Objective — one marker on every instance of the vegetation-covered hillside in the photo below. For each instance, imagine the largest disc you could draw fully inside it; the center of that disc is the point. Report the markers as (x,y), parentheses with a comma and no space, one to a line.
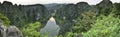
(75,20)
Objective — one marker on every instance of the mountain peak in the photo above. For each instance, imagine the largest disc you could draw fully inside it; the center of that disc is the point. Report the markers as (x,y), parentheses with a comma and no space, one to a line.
(7,3)
(105,3)
(82,3)
(106,0)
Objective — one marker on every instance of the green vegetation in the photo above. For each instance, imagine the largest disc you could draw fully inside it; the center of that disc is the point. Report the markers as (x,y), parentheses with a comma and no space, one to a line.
(101,25)
(31,30)
(84,24)
(101,20)
(104,26)
(5,20)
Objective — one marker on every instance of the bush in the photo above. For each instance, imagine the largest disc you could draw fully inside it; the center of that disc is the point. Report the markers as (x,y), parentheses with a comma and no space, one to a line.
(84,24)
(32,30)
(104,26)
(5,20)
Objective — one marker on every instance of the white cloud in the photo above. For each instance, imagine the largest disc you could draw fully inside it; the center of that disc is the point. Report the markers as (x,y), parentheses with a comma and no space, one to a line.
(24,2)
(115,1)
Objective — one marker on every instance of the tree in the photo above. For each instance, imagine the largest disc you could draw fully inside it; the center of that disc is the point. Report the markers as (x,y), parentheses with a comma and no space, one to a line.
(5,20)
(31,30)
(104,26)
(84,24)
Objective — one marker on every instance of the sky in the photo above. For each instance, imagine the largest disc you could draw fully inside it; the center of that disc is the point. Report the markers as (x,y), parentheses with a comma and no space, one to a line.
(27,2)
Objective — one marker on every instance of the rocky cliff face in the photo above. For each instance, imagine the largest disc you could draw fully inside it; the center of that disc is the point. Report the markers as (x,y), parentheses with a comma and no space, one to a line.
(70,12)
(67,15)
(22,14)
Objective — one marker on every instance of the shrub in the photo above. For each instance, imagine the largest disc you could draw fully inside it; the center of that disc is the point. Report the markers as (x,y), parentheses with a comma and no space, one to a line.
(5,20)
(84,24)
(32,30)
(104,26)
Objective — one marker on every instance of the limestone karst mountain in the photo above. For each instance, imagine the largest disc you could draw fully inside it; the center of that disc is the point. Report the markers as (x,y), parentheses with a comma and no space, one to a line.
(105,6)
(65,14)
(21,14)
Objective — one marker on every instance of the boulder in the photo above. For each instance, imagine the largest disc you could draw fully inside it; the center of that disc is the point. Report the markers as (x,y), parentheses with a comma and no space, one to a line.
(13,31)
(2,29)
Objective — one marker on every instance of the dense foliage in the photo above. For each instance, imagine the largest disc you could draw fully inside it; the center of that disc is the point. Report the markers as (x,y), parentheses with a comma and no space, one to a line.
(75,20)
(104,26)
(4,19)
(31,30)
(84,24)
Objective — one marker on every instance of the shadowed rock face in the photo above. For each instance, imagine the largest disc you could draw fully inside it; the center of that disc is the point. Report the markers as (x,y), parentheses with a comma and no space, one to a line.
(1,34)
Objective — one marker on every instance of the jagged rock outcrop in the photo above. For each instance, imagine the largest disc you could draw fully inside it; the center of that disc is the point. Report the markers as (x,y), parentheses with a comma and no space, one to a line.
(11,31)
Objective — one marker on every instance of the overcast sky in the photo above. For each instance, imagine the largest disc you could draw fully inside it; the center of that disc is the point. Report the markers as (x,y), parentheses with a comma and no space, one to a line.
(26,2)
